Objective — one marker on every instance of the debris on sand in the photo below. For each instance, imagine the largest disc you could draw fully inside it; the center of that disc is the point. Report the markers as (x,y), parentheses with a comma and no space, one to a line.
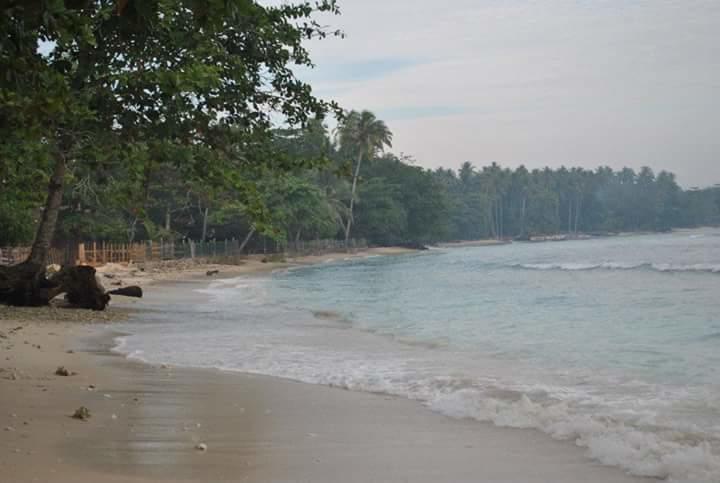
(82,413)
(210,273)
(201,447)
(61,371)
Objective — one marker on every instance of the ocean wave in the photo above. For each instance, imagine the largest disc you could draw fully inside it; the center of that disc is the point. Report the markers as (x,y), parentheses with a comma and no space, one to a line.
(658,267)
(635,437)
(667,453)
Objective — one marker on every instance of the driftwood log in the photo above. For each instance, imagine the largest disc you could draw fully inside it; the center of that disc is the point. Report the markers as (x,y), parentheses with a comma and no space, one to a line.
(129,291)
(27,284)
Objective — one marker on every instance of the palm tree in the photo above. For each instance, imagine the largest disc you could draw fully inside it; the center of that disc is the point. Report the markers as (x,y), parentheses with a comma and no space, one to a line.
(363,132)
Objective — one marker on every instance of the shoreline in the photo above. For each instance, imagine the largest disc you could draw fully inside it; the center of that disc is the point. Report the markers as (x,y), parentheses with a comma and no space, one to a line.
(116,275)
(147,419)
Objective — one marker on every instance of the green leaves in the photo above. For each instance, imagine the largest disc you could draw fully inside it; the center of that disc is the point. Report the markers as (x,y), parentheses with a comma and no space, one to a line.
(362,132)
(123,87)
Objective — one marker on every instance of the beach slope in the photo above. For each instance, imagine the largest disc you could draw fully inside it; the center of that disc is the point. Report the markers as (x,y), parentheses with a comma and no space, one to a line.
(146,422)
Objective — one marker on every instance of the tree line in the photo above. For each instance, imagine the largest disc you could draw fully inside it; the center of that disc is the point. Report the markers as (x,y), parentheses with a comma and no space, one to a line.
(150,120)
(342,183)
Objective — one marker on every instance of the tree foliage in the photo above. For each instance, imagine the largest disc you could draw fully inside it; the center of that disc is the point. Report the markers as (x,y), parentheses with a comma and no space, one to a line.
(138,89)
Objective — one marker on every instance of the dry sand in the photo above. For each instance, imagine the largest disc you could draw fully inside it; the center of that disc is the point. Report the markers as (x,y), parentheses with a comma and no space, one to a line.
(147,420)
(114,275)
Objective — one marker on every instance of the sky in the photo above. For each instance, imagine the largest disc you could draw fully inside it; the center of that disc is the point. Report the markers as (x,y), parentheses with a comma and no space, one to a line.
(539,83)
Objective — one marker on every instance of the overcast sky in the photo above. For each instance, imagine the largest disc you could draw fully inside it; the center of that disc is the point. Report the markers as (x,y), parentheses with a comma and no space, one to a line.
(582,83)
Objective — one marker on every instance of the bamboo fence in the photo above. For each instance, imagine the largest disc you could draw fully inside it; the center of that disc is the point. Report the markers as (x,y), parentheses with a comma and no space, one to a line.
(101,253)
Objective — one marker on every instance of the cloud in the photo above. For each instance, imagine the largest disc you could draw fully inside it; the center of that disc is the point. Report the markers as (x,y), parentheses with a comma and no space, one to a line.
(358,71)
(541,83)
(417,112)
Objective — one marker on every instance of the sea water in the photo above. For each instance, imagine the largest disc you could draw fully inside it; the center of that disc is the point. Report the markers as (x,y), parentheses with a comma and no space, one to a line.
(612,343)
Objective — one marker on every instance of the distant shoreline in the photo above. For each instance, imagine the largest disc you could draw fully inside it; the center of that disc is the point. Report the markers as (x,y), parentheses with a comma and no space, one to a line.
(473,243)
(555,237)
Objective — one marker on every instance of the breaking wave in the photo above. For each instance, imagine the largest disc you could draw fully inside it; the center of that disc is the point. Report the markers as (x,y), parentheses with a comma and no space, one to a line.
(658,267)
(630,439)
(630,433)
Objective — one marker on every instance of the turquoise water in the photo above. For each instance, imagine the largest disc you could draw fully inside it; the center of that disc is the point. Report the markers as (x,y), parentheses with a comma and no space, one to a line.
(612,343)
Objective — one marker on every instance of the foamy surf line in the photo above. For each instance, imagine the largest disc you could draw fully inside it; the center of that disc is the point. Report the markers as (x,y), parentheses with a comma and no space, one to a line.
(688,455)
(658,267)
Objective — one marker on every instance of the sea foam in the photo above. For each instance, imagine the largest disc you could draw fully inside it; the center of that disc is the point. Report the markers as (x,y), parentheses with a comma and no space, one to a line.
(658,267)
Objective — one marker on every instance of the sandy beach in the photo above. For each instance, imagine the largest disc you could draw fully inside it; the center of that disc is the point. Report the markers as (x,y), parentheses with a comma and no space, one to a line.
(146,421)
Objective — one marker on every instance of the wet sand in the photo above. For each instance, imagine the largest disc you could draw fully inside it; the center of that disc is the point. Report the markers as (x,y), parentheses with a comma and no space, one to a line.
(146,421)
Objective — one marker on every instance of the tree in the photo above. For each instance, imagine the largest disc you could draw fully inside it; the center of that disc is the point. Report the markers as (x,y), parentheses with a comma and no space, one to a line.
(125,83)
(366,135)
(401,204)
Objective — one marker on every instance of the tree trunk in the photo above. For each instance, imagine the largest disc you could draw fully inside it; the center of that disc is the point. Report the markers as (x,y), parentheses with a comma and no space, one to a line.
(247,239)
(493,226)
(167,219)
(558,219)
(352,199)
(501,221)
(578,204)
(569,223)
(132,230)
(46,228)
(205,224)
(522,217)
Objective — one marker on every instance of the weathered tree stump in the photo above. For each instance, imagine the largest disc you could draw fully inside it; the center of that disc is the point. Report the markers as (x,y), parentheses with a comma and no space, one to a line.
(81,287)
(26,284)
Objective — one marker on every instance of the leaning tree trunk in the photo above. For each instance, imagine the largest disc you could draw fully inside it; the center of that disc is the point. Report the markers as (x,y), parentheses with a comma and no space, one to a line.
(25,284)
(348,225)
(247,239)
(48,221)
